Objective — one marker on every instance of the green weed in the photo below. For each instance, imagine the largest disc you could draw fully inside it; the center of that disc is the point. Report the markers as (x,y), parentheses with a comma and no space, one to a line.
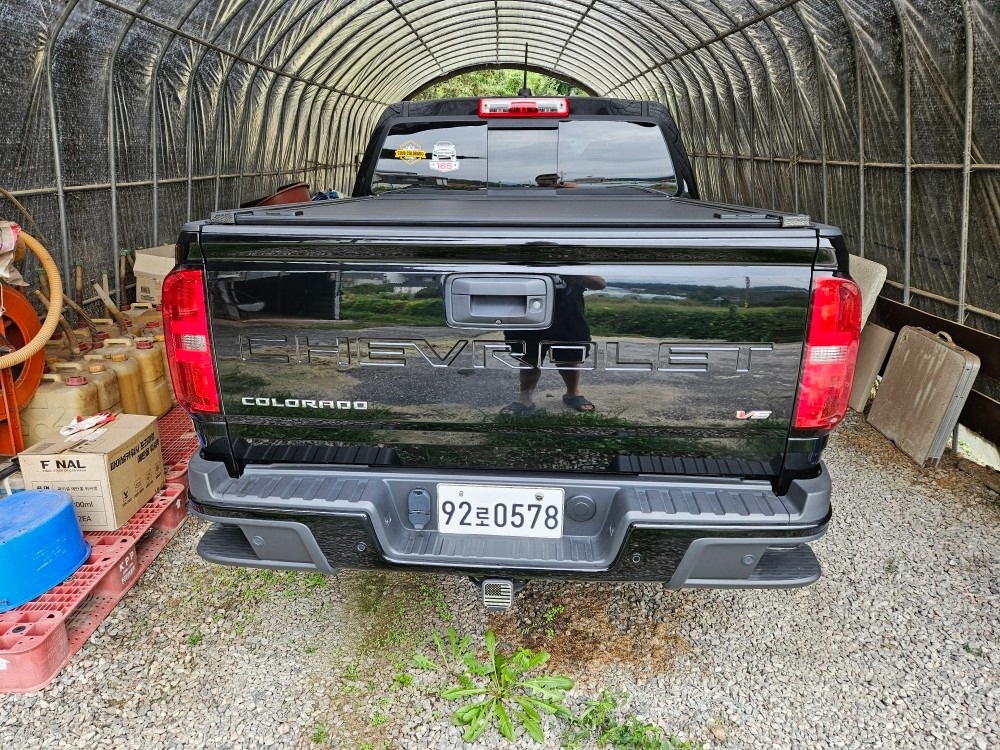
(195,638)
(433,598)
(553,612)
(974,650)
(313,580)
(389,615)
(600,721)
(498,691)
(320,736)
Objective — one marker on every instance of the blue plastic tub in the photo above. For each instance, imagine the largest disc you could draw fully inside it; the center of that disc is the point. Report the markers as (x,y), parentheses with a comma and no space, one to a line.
(41,545)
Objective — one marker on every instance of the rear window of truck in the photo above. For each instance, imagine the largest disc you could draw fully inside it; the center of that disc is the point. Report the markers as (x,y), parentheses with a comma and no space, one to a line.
(567,154)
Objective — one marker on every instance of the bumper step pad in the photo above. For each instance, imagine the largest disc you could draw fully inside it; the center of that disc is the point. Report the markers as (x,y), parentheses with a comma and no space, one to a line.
(782,565)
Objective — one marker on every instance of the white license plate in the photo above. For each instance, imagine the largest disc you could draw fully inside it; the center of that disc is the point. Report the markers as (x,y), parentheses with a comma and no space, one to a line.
(500,511)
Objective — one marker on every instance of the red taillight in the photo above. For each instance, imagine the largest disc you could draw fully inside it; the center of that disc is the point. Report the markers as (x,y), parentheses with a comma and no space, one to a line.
(830,353)
(536,106)
(189,346)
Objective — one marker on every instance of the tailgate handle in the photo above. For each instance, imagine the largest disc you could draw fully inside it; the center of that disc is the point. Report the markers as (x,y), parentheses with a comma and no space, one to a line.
(506,301)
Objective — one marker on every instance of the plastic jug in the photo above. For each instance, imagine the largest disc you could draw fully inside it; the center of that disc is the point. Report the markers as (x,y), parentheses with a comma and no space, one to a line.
(55,404)
(154,380)
(60,349)
(83,334)
(129,382)
(161,347)
(106,326)
(101,377)
(57,346)
(144,313)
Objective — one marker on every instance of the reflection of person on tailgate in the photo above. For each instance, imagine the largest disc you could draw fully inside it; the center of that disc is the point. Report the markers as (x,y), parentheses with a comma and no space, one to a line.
(569,326)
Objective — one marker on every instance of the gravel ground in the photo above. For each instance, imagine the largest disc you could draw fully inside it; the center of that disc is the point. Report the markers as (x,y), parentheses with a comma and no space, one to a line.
(895,647)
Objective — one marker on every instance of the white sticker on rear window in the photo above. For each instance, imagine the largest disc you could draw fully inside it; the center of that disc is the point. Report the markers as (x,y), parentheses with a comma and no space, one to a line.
(444,157)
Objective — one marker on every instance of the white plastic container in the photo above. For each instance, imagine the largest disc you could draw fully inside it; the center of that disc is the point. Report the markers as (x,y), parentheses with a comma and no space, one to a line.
(56,403)
(106,326)
(84,335)
(100,376)
(57,347)
(144,313)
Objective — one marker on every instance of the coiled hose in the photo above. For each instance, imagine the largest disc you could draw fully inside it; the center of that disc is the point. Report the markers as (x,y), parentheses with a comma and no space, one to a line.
(36,344)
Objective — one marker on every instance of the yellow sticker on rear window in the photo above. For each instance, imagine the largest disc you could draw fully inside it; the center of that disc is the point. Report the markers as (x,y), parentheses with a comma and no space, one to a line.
(410,151)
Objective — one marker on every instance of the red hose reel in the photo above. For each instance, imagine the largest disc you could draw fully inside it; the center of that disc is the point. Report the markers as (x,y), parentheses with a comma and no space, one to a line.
(18,325)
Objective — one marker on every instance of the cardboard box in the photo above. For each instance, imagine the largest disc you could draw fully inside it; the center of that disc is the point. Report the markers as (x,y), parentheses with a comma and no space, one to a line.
(151,266)
(110,474)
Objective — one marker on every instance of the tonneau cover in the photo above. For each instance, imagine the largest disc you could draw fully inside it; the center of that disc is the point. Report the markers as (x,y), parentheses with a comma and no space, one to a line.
(523,207)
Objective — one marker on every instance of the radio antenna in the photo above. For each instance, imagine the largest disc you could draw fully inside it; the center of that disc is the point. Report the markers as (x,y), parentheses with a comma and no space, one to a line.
(525,91)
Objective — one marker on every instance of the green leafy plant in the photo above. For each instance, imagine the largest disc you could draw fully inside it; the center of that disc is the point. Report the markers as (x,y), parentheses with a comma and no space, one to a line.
(352,672)
(320,736)
(553,612)
(195,638)
(313,580)
(600,721)
(498,690)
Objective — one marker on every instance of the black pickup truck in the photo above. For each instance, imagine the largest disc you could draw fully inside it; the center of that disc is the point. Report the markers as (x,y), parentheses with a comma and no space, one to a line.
(524,349)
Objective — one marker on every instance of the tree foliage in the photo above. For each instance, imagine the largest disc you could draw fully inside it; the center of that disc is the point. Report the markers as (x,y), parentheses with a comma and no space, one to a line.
(497,82)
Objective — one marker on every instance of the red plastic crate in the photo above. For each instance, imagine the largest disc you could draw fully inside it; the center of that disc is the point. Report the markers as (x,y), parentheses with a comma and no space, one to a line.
(38,638)
(178,441)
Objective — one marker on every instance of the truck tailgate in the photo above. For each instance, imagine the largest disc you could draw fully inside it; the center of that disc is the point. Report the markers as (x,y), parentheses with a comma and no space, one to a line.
(397,352)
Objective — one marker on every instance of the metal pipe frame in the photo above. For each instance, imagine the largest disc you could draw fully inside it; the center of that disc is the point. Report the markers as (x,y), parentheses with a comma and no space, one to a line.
(54,130)
(904,38)
(963,258)
(692,75)
(144,183)
(316,80)
(946,300)
(738,59)
(705,69)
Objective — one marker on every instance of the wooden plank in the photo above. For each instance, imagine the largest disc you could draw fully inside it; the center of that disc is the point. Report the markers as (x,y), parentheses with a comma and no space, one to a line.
(982,414)
(894,315)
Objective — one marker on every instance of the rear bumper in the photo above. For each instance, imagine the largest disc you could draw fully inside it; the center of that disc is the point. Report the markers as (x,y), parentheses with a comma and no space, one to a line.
(682,532)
